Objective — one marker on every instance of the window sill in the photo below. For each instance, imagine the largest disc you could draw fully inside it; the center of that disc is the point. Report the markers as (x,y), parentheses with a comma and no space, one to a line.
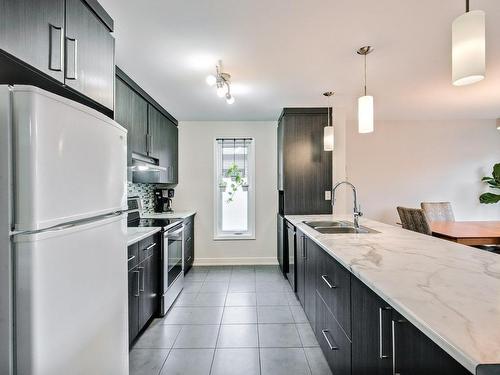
(233,237)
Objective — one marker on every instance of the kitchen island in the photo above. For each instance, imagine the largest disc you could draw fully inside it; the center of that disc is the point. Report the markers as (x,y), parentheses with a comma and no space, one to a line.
(449,292)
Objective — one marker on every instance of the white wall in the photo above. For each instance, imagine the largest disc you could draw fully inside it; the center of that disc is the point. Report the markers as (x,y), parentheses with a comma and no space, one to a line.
(195,190)
(406,162)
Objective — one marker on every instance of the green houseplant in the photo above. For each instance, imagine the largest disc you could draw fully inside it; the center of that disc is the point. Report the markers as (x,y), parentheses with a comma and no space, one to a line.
(237,180)
(494,183)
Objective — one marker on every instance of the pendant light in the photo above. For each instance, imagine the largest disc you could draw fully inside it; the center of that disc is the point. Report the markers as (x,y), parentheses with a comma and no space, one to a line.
(365,102)
(328,138)
(468,47)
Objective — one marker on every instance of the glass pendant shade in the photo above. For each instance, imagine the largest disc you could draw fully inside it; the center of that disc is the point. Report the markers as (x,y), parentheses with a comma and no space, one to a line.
(498,123)
(468,48)
(365,114)
(328,139)
(221,91)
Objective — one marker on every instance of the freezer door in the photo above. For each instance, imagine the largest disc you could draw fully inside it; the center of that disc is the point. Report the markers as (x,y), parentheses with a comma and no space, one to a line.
(70,162)
(71,300)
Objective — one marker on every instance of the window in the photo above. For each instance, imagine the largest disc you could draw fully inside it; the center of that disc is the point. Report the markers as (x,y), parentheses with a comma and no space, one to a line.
(234,188)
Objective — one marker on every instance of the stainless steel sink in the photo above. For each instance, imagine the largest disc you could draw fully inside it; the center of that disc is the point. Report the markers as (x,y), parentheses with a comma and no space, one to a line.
(337,227)
(328,224)
(343,230)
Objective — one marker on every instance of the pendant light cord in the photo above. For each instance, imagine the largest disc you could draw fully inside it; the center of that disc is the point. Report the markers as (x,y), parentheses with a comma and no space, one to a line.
(365,74)
(467,7)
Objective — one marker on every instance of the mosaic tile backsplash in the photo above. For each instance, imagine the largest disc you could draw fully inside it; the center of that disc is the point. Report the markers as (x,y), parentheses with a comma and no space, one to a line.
(145,192)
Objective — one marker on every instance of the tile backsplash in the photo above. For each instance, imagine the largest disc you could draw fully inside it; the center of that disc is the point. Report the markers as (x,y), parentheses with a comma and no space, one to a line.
(145,192)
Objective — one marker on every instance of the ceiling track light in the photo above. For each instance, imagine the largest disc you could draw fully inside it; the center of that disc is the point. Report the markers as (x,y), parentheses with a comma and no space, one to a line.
(328,136)
(468,47)
(365,102)
(222,82)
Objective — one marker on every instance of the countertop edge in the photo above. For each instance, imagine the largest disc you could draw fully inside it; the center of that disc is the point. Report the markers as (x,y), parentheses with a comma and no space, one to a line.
(134,238)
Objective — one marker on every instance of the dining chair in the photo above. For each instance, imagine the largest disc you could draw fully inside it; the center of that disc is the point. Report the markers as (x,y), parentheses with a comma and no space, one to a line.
(414,219)
(438,211)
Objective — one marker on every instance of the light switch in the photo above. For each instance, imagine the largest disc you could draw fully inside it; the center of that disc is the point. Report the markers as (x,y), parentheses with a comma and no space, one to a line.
(328,195)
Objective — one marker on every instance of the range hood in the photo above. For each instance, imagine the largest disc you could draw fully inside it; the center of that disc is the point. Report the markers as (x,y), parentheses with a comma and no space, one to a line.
(143,163)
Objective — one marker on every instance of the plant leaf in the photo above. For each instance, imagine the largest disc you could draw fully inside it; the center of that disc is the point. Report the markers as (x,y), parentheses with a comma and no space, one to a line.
(496,172)
(489,198)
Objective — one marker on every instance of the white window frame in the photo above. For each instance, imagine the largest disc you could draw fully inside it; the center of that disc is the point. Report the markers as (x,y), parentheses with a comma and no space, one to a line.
(219,234)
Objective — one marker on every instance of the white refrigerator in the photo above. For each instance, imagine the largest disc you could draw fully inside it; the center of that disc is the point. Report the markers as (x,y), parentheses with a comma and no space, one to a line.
(63,251)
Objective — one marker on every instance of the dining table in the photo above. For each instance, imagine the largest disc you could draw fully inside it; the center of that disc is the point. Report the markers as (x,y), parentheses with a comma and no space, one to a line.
(472,233)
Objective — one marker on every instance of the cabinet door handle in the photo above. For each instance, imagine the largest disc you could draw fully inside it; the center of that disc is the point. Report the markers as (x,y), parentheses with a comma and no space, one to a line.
(327,281)
(132,257)
(189,258)
(381,332)
(394,371)
(332,347)
(150,246)
(142,278)
(56,54)
(137,294)
(304,248)
(71,52)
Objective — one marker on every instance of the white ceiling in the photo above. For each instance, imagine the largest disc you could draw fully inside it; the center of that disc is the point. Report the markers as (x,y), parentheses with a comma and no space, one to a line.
(285,53)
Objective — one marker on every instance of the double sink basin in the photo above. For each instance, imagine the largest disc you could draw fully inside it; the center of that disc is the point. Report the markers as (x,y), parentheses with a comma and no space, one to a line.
(338,227)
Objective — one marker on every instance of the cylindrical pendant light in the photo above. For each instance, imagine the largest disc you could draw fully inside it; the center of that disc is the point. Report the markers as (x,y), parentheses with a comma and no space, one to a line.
(365,102)
(328,137)
(468,47)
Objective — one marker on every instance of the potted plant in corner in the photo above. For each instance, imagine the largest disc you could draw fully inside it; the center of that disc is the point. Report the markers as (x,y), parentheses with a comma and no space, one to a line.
(494,183)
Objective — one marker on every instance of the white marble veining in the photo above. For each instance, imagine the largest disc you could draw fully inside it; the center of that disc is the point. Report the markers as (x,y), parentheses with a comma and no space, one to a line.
(450,292)
(136,234)
(168,215)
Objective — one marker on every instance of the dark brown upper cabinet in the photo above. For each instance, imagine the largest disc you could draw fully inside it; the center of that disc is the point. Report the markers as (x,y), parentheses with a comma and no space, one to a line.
(63,46)
(90,54)
(304,168)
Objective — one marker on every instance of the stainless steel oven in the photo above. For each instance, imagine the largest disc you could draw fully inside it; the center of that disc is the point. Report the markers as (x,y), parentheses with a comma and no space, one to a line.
(172,266)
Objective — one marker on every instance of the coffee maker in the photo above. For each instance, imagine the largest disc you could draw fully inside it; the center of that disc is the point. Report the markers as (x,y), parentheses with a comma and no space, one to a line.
(163,200)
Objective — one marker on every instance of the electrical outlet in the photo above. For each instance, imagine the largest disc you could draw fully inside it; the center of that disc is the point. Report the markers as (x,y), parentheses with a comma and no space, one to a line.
(328,195)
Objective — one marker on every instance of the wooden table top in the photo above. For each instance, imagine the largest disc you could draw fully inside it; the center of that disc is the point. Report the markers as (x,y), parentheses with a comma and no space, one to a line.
(468,232)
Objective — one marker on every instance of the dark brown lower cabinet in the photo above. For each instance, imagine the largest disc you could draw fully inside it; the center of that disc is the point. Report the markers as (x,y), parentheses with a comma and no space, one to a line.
(300,266)
(143,284)
(371,332)
(416,354)
(332,339)
(188,243)
(311,251)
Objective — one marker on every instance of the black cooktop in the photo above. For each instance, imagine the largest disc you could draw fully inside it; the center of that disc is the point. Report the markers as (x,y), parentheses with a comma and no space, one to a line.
(163,223)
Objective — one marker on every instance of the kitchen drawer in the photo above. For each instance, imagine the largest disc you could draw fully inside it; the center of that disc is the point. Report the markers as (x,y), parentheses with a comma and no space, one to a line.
(148,246)
(334,285)
(133,256)
(332,339)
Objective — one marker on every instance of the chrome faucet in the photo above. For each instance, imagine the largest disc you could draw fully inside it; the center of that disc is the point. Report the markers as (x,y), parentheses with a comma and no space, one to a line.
(357,208)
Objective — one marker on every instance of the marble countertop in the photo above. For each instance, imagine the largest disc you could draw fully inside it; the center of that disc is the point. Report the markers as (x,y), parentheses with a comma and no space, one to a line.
(136,234)
(449,291)
(168,215)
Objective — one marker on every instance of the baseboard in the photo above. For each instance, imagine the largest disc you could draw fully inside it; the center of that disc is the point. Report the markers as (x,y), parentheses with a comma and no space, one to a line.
(235,261)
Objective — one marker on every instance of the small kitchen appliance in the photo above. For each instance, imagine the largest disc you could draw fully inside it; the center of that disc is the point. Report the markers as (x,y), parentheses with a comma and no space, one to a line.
(163,200)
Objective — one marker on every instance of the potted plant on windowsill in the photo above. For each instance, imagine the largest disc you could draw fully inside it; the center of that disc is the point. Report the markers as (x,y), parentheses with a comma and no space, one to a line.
(494,183)
(237,180)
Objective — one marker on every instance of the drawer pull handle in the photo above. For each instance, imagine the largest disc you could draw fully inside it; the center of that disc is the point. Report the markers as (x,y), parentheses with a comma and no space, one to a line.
(381,332)
(141,269)
(132,257)
(327,281)
(138,293)
(332,347)
(150,246)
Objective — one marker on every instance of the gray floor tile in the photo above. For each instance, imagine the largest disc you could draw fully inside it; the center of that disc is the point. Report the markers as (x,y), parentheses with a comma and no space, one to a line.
(292,299)
(197,337)
(241,287)
(194,315)
(202,299)
(218,276)
(299,316)
(271,286)
(317,361)
(272,299)
(238,336)
(236,362)
(307,335)
(192,286)
(283,361)
(243,279)
(146,361)
(158,336)
(194,275)
(188,361)
(274,314)
(279,336)
(241,299)
(186,299)
(248,268)
(239,315)
(214,287)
